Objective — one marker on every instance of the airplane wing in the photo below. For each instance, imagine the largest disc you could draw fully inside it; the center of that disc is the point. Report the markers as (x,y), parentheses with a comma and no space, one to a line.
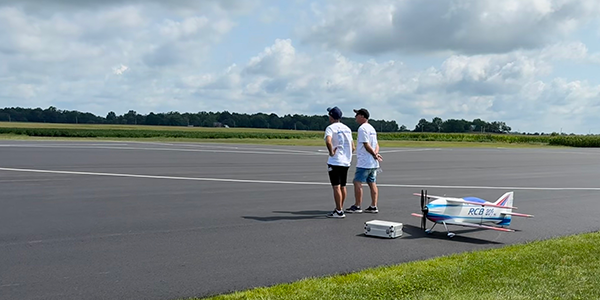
(471,225)
(517,214)
(428,196)
(477,203)
(456,200)
(480,226)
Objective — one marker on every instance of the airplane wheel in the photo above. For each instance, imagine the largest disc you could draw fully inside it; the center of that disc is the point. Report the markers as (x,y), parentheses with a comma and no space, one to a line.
(451,235)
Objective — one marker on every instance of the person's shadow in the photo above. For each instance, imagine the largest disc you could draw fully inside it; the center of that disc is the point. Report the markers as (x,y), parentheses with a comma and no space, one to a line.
(291,215)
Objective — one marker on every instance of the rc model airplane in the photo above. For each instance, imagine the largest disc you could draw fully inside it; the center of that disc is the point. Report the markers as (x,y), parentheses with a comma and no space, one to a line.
(468,211)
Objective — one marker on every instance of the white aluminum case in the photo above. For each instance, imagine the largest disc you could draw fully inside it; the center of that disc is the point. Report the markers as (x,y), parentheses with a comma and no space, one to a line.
(384,229)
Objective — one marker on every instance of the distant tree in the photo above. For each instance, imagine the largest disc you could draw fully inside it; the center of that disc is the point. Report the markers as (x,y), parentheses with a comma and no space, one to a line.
(259,121)
(153,119)
(425,126)
(130,117)
(479,125)
(437,124)
(275,122)
(111,117)
(453,125)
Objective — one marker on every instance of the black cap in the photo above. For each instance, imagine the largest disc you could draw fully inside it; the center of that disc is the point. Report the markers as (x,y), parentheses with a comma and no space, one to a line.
(335,112)
(363,112)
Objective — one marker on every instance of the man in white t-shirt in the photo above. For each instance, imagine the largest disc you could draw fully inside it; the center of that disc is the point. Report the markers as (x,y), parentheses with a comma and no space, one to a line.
(367,163)
(338,139)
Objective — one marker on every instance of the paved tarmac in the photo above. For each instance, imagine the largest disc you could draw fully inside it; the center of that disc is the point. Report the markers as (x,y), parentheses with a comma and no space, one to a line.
(126,220)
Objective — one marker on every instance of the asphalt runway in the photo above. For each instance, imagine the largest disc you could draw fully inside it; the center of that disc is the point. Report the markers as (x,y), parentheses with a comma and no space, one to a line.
(126,220)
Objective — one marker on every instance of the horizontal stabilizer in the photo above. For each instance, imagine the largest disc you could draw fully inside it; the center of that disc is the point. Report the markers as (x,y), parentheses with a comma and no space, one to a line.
(517,214)
(428,196)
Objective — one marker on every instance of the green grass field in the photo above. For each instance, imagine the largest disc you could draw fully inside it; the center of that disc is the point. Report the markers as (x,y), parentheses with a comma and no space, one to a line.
(131,127)
(285,142)
(561,268)
(41,131)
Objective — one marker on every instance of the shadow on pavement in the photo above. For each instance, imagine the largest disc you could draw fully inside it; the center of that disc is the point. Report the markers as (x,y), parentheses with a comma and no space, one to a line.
(295,215)
(413,232)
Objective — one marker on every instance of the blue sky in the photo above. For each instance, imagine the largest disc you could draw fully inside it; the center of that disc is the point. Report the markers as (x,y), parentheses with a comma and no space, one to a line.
(533,64)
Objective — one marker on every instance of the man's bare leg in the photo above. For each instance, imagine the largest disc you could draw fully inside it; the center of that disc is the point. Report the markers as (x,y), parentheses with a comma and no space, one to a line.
(358,191)
(343,194)
(374,193)
(337,197)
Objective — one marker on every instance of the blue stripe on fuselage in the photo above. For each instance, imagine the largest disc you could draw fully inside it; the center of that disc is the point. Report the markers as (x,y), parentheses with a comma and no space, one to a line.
(474,199)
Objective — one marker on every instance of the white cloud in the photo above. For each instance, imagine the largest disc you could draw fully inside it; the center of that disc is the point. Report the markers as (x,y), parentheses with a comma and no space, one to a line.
(120,70)
(462,26)
(492,87)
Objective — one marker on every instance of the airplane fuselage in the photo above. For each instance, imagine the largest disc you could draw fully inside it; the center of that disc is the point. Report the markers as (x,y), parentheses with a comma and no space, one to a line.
(441,210)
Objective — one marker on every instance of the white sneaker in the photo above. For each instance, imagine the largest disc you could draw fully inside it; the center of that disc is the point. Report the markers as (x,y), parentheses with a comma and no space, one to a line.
(336,215)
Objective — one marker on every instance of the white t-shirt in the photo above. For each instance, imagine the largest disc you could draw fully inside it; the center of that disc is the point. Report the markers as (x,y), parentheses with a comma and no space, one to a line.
(341,138)
(364,159)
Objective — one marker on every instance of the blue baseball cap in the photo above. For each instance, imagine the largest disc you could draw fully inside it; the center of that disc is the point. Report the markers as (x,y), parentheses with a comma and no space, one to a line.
(335,112)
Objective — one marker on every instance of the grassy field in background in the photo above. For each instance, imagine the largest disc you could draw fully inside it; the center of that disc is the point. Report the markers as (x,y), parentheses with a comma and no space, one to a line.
(134,127)
(286,142)
(561,268)
(15,130)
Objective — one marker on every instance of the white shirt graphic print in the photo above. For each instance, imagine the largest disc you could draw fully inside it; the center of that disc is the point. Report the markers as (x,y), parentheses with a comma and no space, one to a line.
(341,140)
(364,159)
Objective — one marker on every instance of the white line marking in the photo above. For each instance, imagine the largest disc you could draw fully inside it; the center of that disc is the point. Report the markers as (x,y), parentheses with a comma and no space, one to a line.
(301,182)
(246,148)
(161,177)
(410,150)
(166,149)
(59,145)
(213,150)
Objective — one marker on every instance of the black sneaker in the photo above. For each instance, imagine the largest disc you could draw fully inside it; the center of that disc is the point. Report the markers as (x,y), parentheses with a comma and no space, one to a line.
(354,209)
(372,209)
(337,215)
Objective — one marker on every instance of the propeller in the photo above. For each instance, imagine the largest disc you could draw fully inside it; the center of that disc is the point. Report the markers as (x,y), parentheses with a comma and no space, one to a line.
(424,210)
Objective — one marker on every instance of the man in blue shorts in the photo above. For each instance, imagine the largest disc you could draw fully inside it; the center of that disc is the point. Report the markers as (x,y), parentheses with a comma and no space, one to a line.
(338,139)
(367,163)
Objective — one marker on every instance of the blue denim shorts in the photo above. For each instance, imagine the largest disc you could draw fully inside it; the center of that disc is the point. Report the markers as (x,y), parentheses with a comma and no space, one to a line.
(365,175)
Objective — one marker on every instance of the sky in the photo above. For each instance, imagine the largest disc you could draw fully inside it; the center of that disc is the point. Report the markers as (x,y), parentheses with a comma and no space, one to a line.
(533,64)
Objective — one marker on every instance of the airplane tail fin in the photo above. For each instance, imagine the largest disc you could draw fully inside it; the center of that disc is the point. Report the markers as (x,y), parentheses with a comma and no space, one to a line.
(506,200)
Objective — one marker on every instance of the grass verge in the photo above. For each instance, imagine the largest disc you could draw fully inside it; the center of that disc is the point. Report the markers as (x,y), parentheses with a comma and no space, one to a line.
(561,268)
(285,142)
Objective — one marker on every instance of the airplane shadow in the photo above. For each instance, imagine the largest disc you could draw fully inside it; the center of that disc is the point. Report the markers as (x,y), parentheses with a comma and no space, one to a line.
(296,215)
(415,232)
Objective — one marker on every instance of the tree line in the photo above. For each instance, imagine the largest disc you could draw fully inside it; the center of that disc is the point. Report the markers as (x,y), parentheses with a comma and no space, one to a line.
(228,119)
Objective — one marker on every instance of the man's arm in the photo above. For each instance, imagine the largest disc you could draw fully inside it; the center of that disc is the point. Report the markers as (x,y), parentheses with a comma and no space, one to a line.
(370,149)
(329,146)
(373,152)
